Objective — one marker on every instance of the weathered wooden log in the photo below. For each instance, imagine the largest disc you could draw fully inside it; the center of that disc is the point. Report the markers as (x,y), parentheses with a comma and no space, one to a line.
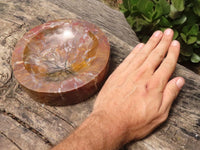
(26,124)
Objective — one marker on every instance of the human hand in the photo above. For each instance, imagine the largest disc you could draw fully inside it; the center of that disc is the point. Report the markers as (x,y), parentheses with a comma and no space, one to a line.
(137,96)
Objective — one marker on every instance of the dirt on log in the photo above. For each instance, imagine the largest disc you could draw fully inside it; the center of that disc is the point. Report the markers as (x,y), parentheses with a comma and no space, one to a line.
(26,124)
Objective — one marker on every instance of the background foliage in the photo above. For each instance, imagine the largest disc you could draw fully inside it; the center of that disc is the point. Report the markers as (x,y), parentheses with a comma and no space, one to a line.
(183,16)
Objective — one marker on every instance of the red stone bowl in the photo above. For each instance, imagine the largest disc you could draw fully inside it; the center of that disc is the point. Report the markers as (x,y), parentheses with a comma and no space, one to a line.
(61,62)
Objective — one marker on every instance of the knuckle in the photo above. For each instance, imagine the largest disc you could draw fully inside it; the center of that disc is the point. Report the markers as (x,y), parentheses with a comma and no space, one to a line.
(160,55)
(168,64)
(138,75)
(148,66)
(169,61)
(153,40)
(155,84)
(170,92)
(164,117)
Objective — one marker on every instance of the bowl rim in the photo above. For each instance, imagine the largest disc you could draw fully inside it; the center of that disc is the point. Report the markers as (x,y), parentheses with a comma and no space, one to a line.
(29,81)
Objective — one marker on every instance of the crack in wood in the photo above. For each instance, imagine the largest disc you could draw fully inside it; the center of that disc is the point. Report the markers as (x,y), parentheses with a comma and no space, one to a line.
(191,134)
(34,112)
(41,20)
(11,141)
(198,122)
(18,28)
(8,20)
(22,18)
(25,125)
(68,122)
(9,92)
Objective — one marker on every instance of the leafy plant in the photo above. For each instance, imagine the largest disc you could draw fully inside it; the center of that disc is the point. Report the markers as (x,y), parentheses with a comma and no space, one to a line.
(183,16)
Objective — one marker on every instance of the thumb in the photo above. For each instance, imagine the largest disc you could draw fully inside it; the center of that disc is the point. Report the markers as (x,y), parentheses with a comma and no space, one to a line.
(171,91)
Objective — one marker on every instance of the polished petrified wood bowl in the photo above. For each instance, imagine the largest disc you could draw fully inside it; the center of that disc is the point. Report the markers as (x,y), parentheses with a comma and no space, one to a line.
(61,62)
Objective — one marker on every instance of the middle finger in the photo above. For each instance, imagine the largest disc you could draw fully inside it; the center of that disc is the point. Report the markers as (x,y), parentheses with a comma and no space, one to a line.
(158,54)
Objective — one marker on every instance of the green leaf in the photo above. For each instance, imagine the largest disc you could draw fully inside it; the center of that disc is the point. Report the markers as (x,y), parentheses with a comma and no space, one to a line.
(196,46)
(187,51)
(130,20)
(183,16)
(186,28)
(162,7)
(194,30)
(176,34)
(125,4)
(191,40)
(139,24)
(123,9)
(165,6)
(162,29)
(178,4)
(164,22)
(129,3)
(198,42)
(146,8)
(192,18)
(184,37)
(145,39)
(189,34)
(195,58)
(180,21)
(133,2)
(198,39)
(173,12)
(191,30)
(196,7)
(188,39)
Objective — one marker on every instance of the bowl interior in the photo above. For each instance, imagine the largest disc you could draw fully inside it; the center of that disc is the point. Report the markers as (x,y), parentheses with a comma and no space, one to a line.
(60,52)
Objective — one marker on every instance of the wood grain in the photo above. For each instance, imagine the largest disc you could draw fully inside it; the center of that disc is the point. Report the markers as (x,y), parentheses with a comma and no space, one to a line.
(25,122)
(19,135)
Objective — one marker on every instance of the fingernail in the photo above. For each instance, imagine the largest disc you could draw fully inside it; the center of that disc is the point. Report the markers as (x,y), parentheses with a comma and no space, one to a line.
(157,33)
(180,83)
(168,31)
(175,43)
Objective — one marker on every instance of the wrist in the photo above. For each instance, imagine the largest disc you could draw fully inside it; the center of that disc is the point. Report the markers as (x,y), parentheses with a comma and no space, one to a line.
(114,133)
(99,131)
